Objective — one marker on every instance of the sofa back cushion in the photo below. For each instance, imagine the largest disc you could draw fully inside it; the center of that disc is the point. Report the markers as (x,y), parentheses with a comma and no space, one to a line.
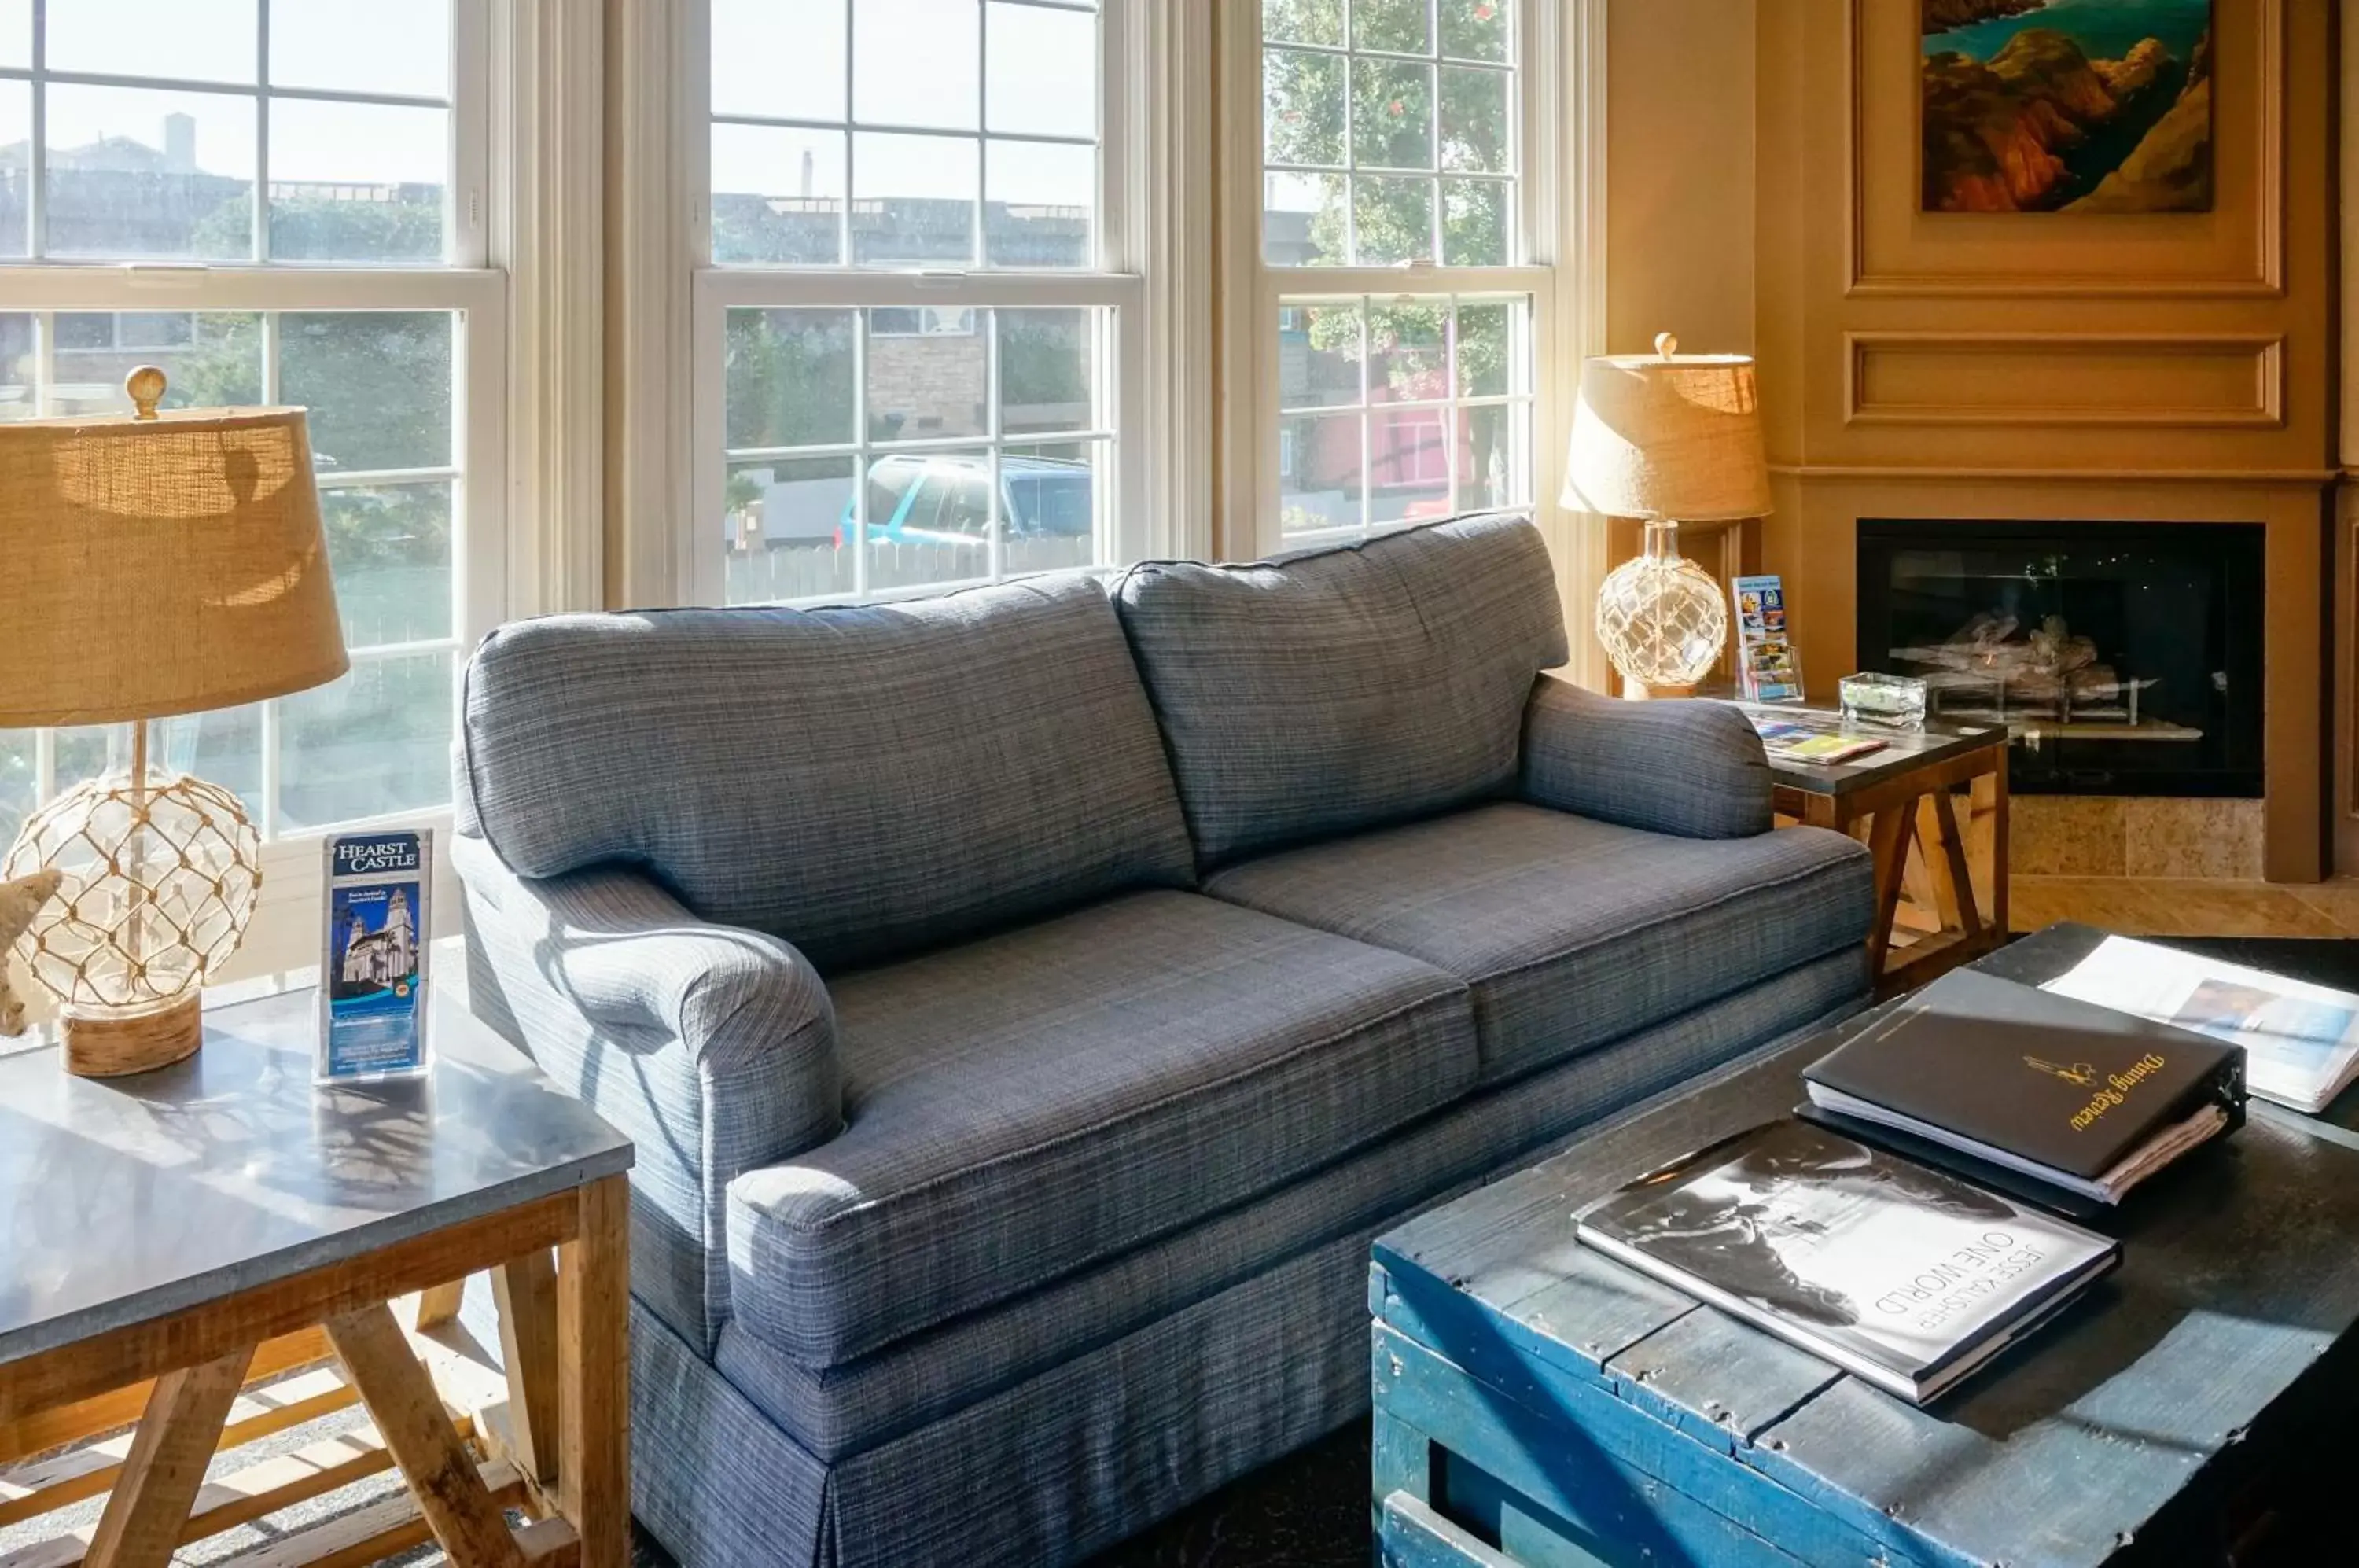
(863,782)
(1340,689)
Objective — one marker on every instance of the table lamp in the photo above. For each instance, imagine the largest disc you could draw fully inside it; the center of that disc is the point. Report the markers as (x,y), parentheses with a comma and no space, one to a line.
(155,564)
(1666,437)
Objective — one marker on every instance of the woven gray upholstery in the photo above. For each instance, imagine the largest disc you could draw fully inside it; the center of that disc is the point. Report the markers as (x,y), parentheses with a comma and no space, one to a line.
(863,782)
(1692,769)
(1348,688)
(712,1049)
(1574,932)
(1038,1433)
(1034,1101)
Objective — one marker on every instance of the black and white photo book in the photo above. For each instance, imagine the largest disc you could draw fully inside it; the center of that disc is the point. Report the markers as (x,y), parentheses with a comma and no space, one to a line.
(1902,1275)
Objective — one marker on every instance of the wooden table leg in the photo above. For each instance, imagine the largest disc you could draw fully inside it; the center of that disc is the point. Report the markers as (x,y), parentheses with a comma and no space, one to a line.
(525,1291)
(593,1473)
(1887,843)
(1998,848)
(1945,863)
(149,1505)
(410,1418)
(438,1304)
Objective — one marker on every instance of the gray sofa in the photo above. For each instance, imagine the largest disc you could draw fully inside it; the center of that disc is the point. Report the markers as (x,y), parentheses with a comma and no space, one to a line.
(1028,1003)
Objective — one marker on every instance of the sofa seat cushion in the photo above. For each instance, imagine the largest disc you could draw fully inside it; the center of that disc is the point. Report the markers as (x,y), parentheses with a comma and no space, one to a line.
(1030,1104)
(1572,932)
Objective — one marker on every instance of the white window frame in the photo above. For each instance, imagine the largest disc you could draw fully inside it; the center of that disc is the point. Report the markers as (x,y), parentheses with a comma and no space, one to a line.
(283,932)
(1560,230)
(1128,213)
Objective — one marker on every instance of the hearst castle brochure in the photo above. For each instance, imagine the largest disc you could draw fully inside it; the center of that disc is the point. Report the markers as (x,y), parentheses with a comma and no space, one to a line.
(1902,1275)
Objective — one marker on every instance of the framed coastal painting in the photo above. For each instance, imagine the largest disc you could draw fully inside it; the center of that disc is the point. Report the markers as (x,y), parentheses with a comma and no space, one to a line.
(2067,106)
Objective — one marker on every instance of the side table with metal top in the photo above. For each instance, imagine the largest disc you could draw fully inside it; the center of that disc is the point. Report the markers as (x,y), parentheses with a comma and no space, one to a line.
(168,1239)
(1902,795)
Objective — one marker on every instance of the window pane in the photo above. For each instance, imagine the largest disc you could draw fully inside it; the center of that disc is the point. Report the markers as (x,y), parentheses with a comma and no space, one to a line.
(192,40)
(1494,457)
(1319,472)
(1476,29)
(1474,119)
(18,397)
(19,782)
(1408,356)
(1393,219)
(374,742)
(1409,466)
(914,198)
(1474,223)
(918,62)
(930,518)
(788,379)
(211,359)
(931,382)
(1303,21)
(1049,498)
(1040,199)
(15,177)
(778,196)
(1302,107)
(377,383)
(1041,70)
(16,33)
(362,46)
(1395,25)
(1045,381)
(1302,221)
(390,548)
(356,182)
(781,59)
(1392,115)
(1487,336)
(788,528)
(142,173)
(1318,356)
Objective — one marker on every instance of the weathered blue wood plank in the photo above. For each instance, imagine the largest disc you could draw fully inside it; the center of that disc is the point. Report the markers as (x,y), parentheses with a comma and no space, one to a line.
(1413,1536)
(1592,1307)
(1717,1379)
(1624,1482)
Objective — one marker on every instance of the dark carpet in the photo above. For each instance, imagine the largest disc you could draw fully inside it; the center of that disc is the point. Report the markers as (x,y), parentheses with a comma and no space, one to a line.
(1311,1509)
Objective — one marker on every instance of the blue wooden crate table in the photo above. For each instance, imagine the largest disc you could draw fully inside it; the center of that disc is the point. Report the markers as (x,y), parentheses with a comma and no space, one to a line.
(1537,1404)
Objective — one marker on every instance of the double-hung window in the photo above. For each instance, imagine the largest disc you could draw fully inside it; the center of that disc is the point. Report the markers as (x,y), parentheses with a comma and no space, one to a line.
(1402,293)
(916,334)
(276,201)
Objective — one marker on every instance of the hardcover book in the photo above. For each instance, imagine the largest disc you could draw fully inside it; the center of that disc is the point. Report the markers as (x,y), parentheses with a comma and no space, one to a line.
(1904,1276)
(373,968)
(2082,1096)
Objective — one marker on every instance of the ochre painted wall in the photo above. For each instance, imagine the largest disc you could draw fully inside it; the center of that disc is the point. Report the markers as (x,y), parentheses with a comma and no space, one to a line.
(2163,367)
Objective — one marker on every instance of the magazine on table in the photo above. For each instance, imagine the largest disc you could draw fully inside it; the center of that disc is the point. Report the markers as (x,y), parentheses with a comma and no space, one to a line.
(1903,1276)
(2301,1041)
(1823,742)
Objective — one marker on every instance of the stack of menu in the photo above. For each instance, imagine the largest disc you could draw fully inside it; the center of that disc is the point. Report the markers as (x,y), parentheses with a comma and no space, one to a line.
(2023,1082)
(1903,1276)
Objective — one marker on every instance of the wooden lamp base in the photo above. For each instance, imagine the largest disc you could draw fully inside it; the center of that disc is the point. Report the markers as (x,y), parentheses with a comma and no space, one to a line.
(114,1044)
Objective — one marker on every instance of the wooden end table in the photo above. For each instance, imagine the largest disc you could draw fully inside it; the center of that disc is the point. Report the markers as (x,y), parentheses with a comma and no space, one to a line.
(172,1237)
(1901,796)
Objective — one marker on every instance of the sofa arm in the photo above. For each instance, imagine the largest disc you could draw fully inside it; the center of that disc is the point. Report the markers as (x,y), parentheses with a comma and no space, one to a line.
(711,1048)
(1695,770)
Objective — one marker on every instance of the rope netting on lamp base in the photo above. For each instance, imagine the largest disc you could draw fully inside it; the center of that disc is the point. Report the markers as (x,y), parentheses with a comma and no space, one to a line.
(160,874)
(1660,618)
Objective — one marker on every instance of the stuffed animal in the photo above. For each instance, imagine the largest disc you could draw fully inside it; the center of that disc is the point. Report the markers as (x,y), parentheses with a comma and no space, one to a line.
(19,901)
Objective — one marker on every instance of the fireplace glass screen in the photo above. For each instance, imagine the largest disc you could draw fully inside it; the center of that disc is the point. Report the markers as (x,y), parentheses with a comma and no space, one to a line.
(2124,658)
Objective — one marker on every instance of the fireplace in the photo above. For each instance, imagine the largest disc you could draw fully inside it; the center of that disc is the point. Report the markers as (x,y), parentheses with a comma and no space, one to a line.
(2126,657)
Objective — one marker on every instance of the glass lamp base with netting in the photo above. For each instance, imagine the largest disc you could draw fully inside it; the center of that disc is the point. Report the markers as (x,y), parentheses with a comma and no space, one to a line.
(160,874)
(1660,618)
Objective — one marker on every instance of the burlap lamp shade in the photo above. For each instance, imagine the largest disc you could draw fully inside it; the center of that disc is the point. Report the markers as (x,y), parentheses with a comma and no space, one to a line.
(155,564)
(1666,437)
